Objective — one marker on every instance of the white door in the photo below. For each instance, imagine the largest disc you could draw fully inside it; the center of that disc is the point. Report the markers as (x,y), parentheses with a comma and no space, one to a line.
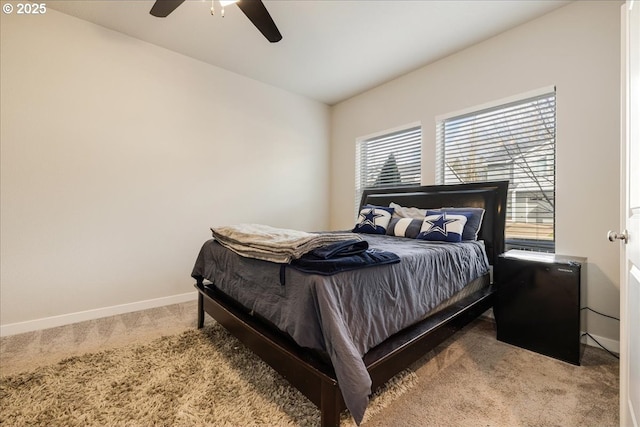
(630,265)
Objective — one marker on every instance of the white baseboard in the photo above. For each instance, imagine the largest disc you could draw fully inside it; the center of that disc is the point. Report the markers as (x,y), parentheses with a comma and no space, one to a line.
(611,345)
(81,316)
(67,319)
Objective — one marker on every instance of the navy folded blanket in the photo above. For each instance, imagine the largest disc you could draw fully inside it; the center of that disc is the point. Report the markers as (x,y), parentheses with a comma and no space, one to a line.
(341,256)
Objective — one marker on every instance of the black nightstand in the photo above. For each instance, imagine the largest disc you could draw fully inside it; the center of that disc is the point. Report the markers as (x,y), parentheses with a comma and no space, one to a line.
(538,303)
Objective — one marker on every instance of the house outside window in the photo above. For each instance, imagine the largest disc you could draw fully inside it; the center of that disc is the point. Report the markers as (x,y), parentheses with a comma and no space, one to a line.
(514,141)
(389,159)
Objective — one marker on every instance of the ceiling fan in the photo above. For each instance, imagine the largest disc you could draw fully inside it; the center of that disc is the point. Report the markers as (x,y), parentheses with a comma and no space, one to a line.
(253,9)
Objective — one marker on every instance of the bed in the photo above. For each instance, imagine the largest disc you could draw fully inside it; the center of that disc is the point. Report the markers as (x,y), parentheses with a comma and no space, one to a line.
(332,362)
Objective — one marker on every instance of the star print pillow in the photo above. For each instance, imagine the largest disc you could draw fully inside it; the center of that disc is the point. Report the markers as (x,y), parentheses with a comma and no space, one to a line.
(442,226)
(373,219)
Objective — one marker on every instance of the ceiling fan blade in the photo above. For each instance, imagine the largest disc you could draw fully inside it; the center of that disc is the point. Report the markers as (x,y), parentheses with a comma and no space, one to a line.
(259,16)
(162,8)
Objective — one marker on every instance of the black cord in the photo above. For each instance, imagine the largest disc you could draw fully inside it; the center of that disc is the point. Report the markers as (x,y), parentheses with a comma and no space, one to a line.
(603,347)
(595,340)
(601,314)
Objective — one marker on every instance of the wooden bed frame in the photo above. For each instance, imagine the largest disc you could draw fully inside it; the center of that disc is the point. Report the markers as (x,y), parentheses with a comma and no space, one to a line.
(313,374)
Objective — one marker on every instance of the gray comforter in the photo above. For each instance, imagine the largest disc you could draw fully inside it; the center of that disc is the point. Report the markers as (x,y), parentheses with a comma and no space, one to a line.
(348,313)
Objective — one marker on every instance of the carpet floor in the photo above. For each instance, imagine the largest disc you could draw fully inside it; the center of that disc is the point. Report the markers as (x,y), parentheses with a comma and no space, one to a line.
(123,371)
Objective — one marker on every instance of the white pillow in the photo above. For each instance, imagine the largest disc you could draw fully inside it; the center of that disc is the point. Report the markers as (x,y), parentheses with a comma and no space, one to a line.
(405,212)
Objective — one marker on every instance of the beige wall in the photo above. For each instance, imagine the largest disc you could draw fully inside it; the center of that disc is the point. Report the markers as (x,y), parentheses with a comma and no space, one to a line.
(117,156)
(577,49)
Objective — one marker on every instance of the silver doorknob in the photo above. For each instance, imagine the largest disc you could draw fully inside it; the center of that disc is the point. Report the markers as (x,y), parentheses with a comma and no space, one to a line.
(613,236)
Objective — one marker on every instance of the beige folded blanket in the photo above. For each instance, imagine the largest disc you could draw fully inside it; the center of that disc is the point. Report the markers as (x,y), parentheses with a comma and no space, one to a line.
(274,244)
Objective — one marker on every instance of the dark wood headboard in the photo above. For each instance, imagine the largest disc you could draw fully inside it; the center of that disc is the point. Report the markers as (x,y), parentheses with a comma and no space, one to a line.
(492,196)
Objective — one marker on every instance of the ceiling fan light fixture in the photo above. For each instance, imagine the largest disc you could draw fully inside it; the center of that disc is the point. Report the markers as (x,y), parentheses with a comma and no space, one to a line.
(254,10)
(223,3)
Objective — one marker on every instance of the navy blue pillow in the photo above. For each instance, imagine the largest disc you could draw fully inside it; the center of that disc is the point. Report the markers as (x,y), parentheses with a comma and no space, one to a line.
(373,219)
(442,226)
(474,221)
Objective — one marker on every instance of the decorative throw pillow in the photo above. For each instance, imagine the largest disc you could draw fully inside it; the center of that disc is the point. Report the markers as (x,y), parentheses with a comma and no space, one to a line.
(474,221)
(471,228)
(442,226)
(404,227)
(405,212)
(373,219)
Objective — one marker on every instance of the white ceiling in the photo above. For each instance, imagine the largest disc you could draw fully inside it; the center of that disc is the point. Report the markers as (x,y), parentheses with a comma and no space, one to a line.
(331,49)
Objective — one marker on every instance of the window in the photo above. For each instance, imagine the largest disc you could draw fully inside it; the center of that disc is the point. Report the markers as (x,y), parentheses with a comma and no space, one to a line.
(514,141)
(390,159)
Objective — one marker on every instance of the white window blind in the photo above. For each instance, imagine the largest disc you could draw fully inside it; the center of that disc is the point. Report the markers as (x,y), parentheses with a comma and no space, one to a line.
(389,160)
(516,142)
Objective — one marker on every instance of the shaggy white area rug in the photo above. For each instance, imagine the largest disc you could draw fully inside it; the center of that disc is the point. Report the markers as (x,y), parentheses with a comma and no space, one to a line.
(200,377)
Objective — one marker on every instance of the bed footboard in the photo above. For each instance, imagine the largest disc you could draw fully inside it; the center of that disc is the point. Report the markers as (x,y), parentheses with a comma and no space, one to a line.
(311,376)
(315,378)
